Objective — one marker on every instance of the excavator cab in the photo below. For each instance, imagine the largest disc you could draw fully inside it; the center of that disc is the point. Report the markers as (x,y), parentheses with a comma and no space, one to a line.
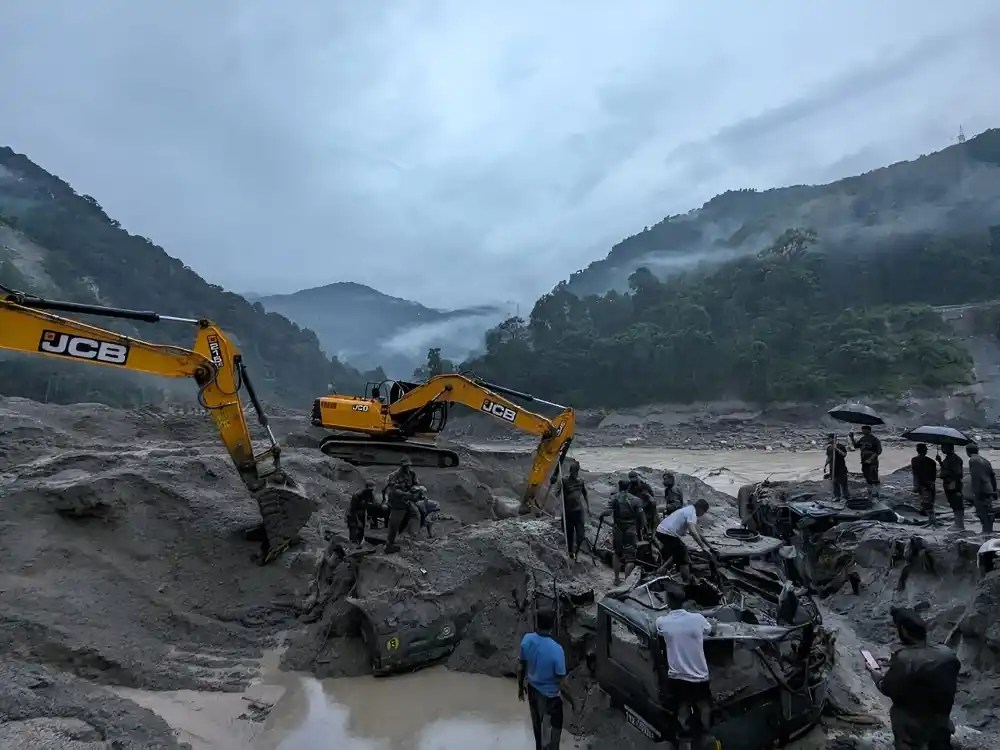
(397,418)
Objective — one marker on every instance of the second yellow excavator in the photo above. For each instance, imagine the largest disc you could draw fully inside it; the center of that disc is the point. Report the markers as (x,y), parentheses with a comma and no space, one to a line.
(29,324)
(388,423)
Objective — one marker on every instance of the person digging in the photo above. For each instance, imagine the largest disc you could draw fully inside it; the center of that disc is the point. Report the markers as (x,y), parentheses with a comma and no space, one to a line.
(670,536)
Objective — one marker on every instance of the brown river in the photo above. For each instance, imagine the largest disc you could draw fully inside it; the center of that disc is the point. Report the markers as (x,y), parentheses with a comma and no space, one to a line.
(435,709)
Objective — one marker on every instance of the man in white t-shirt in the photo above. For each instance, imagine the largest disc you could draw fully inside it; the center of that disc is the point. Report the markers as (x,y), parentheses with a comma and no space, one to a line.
(670,535)
(684,633)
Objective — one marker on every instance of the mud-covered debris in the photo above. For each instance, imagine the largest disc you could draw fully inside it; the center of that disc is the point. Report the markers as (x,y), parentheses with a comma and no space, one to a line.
(257,711)
(467,596)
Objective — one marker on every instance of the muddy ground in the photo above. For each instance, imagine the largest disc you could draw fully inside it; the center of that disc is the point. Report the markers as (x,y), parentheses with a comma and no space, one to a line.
(123,562)
(124,565)
(736,424)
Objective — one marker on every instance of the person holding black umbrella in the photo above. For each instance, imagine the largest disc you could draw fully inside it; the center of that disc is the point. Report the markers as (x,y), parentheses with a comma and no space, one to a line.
(870,448)
(952,472)
(983,483)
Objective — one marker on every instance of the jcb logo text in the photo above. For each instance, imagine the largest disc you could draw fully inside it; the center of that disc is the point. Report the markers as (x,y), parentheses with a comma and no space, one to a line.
(360,407)
(81,347)
(499,410)
(215,352)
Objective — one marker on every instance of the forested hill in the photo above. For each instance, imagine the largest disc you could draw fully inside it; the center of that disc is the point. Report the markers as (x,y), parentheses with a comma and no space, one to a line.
(810,316)
(395,333)
(56,243)
(953,189)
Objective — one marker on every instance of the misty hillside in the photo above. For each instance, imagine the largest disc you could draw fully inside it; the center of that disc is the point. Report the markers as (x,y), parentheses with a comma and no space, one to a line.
(839,304)
(956,189)
(367,328)
(56,243)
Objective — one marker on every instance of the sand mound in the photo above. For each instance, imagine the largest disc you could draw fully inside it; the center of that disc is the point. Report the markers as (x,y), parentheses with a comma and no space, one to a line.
(123,560)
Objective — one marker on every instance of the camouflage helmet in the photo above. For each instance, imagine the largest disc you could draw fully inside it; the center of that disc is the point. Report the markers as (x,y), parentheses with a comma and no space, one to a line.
(633,474)
(622,484)
(405,461)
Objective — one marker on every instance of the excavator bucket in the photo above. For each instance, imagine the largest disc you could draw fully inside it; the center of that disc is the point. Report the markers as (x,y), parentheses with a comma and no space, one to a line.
(285,509)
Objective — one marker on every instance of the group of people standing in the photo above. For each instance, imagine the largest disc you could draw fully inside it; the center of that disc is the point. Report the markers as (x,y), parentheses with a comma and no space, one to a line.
(870,449)
(949,467)
(404,498)
(635,517)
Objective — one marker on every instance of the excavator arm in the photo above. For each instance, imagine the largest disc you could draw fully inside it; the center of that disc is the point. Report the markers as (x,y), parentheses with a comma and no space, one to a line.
(413,412)
(555,434)
(30,325)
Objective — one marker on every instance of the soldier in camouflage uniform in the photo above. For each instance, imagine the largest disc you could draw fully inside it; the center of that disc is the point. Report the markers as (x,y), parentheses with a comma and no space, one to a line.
(400,491)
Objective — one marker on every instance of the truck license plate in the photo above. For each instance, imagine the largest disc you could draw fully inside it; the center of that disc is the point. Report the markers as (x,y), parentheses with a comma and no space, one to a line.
(641,724)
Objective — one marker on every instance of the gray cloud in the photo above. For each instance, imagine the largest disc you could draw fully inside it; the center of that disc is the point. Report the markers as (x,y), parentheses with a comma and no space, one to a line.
(459,152)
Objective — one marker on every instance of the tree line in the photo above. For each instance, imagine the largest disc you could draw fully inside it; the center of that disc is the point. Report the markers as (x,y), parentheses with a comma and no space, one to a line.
(791,322)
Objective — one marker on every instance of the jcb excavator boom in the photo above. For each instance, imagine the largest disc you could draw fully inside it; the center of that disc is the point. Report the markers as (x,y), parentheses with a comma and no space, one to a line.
(384,424)
(29,324)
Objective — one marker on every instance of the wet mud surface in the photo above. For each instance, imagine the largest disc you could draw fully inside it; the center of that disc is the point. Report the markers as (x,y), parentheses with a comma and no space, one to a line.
(124,566)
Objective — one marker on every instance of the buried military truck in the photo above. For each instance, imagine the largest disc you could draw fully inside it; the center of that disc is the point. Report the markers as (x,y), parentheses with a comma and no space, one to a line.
(768,680)
(466,599)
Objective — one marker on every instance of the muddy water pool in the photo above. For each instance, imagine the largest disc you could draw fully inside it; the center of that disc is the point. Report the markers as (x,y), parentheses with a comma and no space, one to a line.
(433,709)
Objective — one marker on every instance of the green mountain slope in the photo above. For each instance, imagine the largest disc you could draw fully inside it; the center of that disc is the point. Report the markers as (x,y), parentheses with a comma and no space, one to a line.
(56,243)
(955,189)
(812,315)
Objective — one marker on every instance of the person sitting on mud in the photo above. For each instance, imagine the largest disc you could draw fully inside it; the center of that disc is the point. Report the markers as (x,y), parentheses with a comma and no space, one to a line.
(921,681)
(925,481)
(670,535)
(836,465)
(641,489)
(870,448)
(688,688)
(673,498)
(357,511)
(399,488)
(627,521)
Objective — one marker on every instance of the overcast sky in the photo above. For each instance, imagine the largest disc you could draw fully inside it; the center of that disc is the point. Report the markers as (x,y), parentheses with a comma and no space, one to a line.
(464,151)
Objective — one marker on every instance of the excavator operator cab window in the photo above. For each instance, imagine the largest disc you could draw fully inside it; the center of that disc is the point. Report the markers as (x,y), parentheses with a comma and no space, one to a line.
(395,392)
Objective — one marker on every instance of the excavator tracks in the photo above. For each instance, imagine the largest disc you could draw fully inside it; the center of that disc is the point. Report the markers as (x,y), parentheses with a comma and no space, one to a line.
(362,451)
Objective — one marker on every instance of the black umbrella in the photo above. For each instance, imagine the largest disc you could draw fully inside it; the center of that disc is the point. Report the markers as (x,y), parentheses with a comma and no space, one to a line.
(855,414)
(938,436)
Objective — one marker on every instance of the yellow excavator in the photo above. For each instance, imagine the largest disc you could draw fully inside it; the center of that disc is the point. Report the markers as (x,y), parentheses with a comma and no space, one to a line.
(390,421)
(30,324)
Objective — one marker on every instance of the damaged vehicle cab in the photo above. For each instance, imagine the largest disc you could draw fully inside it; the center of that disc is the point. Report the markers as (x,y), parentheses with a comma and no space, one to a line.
(768,681)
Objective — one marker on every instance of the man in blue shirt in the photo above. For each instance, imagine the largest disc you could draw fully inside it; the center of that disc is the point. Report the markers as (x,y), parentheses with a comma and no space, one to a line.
(543,663)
